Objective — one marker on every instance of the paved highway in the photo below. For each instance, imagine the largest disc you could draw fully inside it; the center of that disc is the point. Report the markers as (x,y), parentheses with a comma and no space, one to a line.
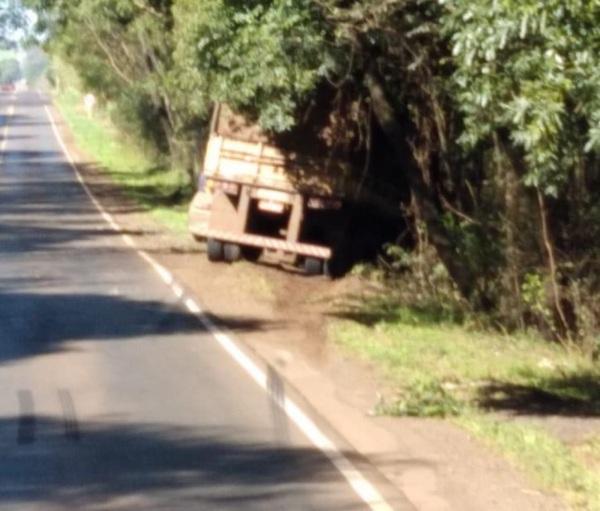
(112,396)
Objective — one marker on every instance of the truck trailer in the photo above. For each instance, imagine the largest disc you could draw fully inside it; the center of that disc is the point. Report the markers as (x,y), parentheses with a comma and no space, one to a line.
(255,196)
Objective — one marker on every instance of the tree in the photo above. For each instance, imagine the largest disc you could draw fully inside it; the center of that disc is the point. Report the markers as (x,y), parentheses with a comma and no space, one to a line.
(530,69)
(527,81)
(12,17)
(261,56)
(123,51)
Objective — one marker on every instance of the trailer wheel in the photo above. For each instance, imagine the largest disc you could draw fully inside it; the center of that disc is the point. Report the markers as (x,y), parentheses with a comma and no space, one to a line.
(214,250)
(313,266)
(251,254)
(232,252)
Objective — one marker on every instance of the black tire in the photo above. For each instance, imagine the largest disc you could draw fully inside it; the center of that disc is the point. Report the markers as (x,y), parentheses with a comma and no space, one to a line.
(214,250)
(232,252)
(251,254)
(313,266)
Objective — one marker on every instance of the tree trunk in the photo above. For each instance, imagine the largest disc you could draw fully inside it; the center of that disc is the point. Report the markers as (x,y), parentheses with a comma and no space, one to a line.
(507,174)
(179,153)
(564,332)
(423,194)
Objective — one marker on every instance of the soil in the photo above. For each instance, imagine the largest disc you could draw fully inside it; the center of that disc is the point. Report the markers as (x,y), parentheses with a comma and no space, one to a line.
(282,315)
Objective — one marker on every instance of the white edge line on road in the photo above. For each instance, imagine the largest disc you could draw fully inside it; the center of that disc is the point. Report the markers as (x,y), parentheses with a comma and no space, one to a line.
(361,486)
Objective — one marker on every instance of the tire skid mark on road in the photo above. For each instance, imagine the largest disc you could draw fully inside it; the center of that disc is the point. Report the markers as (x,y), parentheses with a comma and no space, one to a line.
(276,390)
(71,424)
(26,423)
(364,489)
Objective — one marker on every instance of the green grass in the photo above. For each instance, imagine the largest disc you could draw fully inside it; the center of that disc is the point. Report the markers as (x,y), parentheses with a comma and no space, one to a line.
(467,362)
(543,457)
(588,451)
(158,189)
(433,367)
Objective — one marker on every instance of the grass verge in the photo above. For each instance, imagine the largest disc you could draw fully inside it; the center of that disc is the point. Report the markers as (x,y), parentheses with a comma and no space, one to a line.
(544,458)
(158,189)
(481,380)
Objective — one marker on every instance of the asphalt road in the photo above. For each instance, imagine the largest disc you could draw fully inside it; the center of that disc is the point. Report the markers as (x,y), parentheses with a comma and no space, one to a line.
(112,396)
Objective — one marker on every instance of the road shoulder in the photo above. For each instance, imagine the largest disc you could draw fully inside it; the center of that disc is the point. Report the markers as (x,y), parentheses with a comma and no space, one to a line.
(280,317)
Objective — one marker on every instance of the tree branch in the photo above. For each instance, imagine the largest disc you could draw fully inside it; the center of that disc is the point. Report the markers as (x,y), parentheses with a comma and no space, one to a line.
(120,73)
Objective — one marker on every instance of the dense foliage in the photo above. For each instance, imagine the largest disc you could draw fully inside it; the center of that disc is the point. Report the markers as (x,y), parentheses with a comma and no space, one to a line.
(261,56)
(488,110)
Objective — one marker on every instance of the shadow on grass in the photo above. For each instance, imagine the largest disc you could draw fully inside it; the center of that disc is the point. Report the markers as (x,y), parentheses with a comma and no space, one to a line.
(569,395)
(386,309)
(536,392)
(150,194)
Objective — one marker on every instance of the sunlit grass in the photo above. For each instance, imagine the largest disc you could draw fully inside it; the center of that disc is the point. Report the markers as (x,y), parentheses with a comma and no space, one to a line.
(146,178)
(452,354)
(438,368)
(543,457)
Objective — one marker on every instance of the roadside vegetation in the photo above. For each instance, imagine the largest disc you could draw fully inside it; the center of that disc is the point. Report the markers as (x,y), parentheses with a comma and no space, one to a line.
(553,464)
(144,176)
(478,121)
(443,362)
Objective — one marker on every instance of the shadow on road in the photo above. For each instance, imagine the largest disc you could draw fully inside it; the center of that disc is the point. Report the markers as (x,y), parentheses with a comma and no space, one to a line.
(50,234)
(114,463)
(34,324)
(29,98)
(30,239)
(22,120)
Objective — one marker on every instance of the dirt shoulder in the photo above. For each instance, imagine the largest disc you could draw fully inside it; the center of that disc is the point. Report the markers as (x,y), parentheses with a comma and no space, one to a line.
(282,316)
